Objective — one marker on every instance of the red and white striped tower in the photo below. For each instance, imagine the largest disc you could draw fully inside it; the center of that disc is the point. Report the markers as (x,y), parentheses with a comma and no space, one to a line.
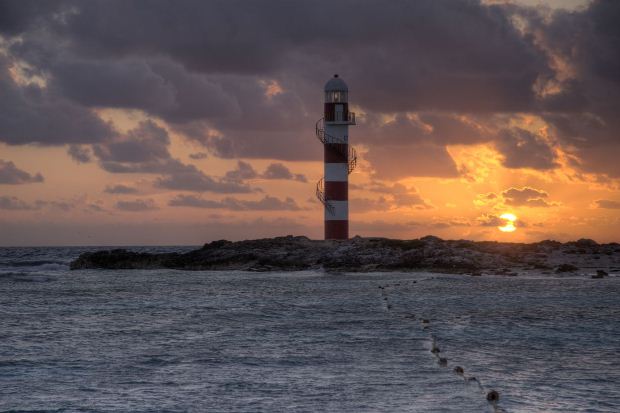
(340,159)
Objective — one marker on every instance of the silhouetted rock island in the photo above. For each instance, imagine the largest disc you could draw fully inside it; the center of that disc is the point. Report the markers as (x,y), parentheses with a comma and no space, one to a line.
(292,253)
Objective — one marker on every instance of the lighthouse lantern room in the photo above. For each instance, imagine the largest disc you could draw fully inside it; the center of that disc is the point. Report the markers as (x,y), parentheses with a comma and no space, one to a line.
(340,159)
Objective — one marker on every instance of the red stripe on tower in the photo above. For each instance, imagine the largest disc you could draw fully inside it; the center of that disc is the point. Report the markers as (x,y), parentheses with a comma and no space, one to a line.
(333,132)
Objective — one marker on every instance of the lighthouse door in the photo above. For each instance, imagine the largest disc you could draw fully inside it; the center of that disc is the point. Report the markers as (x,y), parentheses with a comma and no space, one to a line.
(339,113)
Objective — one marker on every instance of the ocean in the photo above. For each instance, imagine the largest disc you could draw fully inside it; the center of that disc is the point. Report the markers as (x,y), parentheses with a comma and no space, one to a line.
(164,340)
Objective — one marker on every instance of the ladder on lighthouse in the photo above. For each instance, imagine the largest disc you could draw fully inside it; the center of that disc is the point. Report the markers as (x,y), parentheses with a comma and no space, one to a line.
(350,156)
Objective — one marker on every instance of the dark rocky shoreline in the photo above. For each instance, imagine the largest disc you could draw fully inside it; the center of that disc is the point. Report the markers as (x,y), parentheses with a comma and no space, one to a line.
(372,254)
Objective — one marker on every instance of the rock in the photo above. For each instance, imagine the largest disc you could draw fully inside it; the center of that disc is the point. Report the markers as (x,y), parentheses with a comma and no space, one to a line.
(296,253)
(585,242)
(459,370)
(425,321)
(600,274)
(566,268)
(443,362)
(493,396)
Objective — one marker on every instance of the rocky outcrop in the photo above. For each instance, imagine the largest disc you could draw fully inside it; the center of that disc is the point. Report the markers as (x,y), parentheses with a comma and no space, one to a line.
(363,254)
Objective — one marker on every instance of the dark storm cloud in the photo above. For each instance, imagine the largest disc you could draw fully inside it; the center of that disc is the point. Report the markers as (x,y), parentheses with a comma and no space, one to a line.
(267,203)
(12,175)
(245,79)
(489,65)
(33,114)
(160,87)
(586,119)
(523,149)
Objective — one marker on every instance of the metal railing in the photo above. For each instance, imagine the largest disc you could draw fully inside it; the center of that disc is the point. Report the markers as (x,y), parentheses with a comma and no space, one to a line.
(348,155)
(320,194)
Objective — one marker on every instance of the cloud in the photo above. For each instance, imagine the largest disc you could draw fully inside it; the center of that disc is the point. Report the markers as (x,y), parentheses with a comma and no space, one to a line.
(189,178)
(359,205)
(242,172)
(120,189)
(80,153)
(490,220)
(15,204)
(396,195)
(526,196)
(246,80)
(398,162)
(486,199)
(33,114)
(144,149)
(137,205)
(279,171)
(158,86)
(12,203)
(201,73)
(267,203)
(12,175)
(198,155)
(275,170)
(607,204)
(523,149)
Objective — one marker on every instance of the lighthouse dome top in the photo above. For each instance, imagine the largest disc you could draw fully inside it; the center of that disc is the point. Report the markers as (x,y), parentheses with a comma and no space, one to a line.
(336,84)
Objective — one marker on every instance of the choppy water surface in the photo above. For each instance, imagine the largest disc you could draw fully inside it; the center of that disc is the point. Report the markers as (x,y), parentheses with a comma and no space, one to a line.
(233,341)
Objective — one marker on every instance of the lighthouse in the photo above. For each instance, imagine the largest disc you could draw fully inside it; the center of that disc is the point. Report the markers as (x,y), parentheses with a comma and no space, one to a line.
(339,158)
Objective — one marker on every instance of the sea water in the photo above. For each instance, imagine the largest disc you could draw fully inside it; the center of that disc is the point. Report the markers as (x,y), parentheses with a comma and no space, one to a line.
(163,340)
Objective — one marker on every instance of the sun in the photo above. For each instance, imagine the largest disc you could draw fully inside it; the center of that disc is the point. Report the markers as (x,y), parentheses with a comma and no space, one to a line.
(509,222)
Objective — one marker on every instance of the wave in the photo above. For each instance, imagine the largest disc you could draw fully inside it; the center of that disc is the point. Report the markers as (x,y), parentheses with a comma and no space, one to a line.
(23,276)
(32,263)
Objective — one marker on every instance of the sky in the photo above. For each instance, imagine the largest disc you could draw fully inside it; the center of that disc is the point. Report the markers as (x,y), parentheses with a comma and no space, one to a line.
(181,122)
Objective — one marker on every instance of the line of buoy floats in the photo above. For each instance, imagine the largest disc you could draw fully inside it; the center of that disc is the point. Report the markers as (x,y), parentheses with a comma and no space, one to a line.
(492,396)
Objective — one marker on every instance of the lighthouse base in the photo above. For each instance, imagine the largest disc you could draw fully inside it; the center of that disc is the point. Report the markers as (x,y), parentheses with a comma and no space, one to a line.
(337,229)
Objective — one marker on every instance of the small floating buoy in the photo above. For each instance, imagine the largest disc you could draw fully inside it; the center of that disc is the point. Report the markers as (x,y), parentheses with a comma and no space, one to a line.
(459,370)
(492,396)
(443,362)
